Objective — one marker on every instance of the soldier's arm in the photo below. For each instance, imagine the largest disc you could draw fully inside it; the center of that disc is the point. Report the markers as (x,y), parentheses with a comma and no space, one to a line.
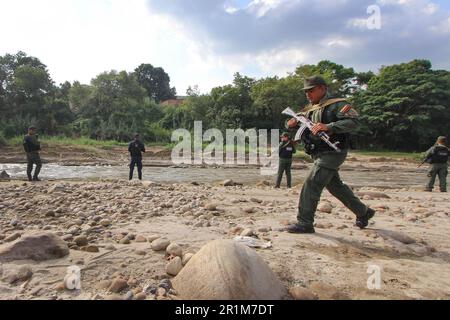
(143,147)
(347,119)
(429,153)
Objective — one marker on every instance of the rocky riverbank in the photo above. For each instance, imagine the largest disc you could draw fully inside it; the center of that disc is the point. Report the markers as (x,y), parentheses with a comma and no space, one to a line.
(130,239)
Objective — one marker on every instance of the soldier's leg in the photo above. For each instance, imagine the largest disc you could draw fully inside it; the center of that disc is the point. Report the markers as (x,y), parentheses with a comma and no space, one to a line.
(288,174)
(344,194)
(280,174)
(432,174)
(29,168)
(132,164)
(443,179)
(139,166)
(314,184)
(38,162)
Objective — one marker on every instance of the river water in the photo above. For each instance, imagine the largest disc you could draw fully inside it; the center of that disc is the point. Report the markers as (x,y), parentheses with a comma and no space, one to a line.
(386,178)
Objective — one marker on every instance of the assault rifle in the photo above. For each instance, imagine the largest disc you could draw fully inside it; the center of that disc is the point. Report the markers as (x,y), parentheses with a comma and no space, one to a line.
(308,124)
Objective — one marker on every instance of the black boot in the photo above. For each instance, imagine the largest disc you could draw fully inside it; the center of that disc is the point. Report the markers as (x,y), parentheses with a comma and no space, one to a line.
(36,179)
(298,228)
(363,222)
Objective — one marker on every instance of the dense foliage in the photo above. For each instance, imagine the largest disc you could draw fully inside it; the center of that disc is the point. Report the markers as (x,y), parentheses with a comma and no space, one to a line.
(403,107)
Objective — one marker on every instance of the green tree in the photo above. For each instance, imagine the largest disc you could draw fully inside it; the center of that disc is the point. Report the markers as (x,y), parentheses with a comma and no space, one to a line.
(406,106)
(155,81)
(341,80)
(272,95)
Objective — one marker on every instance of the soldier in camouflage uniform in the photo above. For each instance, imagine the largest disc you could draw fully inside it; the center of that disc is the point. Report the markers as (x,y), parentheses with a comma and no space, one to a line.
(337,118)
(437,156)
(285,152)
(32,147)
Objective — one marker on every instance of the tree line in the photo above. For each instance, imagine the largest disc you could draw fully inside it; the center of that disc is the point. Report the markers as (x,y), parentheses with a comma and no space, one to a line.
(402,107)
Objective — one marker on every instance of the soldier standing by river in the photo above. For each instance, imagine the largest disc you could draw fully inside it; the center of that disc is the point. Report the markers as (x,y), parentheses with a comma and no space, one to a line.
(286,150)
(437,156)
(136,147)
(32,147)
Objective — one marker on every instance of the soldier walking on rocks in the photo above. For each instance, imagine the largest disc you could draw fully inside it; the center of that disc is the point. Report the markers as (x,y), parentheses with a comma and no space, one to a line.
(337,118)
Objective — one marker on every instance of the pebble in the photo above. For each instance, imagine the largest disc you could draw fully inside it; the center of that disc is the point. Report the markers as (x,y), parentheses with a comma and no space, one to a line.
(211,207)
(141,238)
(118,285)
(160,244)
(325,207)
(174,266)
(105,223)
(81,241)
(140,296)
(125,240)
(92,249)
(300,293)
(174,249)
(186,258)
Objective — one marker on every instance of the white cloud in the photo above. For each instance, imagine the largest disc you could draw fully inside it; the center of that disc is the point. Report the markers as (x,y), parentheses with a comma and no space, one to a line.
(261,7)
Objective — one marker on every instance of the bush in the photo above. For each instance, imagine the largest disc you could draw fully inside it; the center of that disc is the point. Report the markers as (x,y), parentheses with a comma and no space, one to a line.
(156,133)
(3,141)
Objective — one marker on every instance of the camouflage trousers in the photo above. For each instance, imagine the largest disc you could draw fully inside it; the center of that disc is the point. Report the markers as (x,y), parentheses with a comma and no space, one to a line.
(284,165)
(325,174)
(33,158)
(440,170)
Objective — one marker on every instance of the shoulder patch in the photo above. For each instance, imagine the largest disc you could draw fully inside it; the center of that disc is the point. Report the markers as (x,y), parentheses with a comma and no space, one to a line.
(348,112)
(346,108)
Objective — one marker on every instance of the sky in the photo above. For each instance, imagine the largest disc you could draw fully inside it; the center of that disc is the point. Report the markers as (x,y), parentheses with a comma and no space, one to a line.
(204,42)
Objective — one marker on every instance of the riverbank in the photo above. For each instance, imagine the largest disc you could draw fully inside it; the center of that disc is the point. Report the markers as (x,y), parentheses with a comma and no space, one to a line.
(84,151)
(109,226)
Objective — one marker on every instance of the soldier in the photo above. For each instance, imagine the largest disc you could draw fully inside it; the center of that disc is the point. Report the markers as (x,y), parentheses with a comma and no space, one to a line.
(286,150)
(337,118)
(437,156)
(32,147)
(136,147)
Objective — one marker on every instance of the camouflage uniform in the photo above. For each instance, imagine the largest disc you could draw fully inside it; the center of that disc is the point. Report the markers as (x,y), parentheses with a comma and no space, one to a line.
(286,150)
(32,147)
(438,158)
(341,118)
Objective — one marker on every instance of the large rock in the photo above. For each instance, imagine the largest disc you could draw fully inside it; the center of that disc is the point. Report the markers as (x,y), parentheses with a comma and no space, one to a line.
(38,247)
(226,270)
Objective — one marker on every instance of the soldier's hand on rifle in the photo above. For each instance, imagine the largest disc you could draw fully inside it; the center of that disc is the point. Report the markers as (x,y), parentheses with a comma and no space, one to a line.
(292,123)
(319,127)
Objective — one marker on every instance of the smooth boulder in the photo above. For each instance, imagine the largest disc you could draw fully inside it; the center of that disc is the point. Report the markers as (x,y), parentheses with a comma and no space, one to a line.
(37,247)
(226,270)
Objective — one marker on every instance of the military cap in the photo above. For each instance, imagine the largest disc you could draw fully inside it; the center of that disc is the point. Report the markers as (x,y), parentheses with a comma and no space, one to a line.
(313,81)
(32,128)
(285,134)
(442,138)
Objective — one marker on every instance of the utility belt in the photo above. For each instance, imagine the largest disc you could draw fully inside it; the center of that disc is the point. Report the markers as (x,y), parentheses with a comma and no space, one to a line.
(314,147)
